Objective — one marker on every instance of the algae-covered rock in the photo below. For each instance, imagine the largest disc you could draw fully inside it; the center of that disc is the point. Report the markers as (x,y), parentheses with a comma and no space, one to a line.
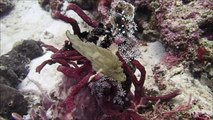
(209,47)
(8,77)
(29,48)
(202,68)
(51,4)
(85,4)
(13,65)
(44,4)
(183,23)
(11,101)
(15,62)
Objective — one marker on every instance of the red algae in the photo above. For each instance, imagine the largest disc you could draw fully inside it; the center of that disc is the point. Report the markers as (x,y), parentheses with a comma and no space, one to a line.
(112,99)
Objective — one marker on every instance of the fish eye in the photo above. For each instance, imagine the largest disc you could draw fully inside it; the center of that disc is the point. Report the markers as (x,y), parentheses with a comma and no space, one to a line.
(10,103)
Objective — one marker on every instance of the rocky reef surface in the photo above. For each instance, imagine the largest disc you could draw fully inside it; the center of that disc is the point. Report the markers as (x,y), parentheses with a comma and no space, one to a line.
(6,6)
(14,68)
(12,101)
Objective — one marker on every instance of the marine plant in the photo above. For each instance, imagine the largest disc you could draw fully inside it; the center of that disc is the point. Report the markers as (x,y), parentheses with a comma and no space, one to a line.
(90,93)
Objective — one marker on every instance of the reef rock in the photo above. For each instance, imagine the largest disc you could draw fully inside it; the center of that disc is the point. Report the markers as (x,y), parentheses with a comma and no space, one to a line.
(11,102)
(5,5)
(29,48)
(13,65)
(85,4)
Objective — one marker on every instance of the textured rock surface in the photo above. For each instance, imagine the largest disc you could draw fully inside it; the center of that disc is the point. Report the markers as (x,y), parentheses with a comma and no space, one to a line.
(8,77)
(5,5)
(185,29)
(14,63)
(29,48)
(11,101)
(85,4)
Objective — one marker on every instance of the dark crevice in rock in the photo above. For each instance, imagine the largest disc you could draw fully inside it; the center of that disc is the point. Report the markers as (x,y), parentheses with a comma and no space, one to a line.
(5,7)
(186,1)
(207,27)
(143,13)
(86,4)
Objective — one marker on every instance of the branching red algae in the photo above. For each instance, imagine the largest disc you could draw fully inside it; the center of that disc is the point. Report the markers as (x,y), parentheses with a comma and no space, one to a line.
(81,13)
(117,106)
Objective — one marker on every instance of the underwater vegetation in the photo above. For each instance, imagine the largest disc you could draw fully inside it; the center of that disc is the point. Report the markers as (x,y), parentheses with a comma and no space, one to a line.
(95,93)
(98,79)
(181,25)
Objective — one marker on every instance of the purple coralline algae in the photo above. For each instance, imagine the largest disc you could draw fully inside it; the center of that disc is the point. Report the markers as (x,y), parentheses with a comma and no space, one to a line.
(179,25)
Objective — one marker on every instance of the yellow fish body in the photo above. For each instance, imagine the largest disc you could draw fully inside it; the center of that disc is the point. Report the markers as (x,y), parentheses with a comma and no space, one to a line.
(102,60)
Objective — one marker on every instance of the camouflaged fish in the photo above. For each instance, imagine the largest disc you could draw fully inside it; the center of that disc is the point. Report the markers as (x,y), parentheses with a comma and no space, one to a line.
(102,60)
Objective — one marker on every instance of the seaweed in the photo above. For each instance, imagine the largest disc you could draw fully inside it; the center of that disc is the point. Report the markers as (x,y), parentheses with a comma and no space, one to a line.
(95,95)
